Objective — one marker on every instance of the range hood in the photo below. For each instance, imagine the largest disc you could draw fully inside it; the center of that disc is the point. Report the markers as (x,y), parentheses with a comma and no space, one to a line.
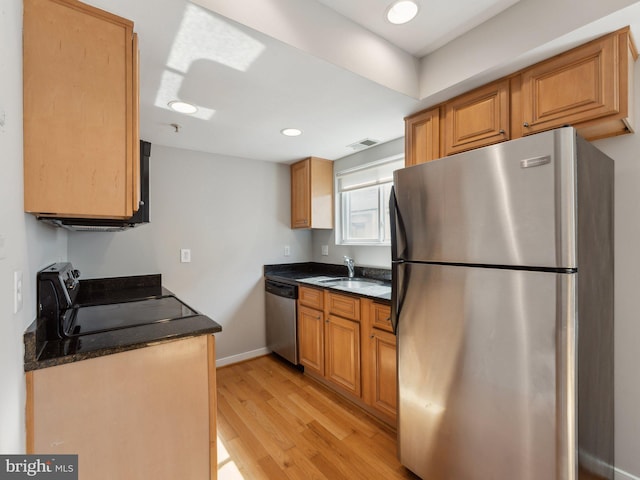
(110,224)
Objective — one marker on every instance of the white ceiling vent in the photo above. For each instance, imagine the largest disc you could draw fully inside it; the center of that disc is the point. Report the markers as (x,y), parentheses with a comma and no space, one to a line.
(362,144)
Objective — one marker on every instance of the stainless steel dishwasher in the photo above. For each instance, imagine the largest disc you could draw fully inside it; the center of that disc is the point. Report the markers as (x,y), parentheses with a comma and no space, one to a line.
(282,335)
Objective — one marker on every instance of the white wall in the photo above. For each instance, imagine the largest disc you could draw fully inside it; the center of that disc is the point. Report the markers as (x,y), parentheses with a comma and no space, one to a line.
(233,214)
(624,150)
(25,245)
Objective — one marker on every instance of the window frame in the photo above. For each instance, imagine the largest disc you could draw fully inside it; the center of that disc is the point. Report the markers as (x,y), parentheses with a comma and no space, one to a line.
(340,204)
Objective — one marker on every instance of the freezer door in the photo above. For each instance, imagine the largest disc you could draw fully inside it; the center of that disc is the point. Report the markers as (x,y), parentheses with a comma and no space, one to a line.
(486,373)
(507,204)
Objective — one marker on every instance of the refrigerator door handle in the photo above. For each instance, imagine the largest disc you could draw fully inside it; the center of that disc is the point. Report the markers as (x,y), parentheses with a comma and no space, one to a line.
(396,283)
(393,209)
(397,232)
(396,293)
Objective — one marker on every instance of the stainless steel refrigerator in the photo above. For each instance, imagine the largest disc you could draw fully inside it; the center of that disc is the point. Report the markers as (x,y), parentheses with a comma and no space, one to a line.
(503,306)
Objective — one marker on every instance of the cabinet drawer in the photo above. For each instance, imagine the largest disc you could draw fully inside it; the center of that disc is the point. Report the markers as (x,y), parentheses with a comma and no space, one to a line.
(344,306)
(381,316)
(311,297)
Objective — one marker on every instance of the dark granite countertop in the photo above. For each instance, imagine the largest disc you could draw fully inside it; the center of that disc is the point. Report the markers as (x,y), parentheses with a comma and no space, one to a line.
(42,353)
(313,273)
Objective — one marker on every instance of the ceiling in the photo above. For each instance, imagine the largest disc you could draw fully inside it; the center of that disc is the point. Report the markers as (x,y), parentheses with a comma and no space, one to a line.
(333,68)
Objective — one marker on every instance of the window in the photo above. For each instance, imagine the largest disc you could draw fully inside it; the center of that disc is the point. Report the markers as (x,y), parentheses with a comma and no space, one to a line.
(362,203)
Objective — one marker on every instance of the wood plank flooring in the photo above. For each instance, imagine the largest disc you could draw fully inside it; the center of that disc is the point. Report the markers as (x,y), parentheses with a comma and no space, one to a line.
(275,423)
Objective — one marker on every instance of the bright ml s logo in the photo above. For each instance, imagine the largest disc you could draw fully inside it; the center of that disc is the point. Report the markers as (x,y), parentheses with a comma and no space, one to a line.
(27,467)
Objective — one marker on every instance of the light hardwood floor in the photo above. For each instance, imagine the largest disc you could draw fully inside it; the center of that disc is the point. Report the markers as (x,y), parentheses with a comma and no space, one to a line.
(275,423)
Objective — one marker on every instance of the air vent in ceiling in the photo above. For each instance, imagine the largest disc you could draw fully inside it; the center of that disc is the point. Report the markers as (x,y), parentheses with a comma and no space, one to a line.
(362,144)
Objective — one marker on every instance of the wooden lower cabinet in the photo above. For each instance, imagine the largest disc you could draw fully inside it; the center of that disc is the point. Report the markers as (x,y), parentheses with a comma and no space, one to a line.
(342,353)
(381,383)
(139,414)
(379,361)
(311,339)
(349,346)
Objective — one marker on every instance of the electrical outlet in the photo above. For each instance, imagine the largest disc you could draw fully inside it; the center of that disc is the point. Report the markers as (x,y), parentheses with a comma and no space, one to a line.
(185,255)
(17,291)
(325,250)
(287,250)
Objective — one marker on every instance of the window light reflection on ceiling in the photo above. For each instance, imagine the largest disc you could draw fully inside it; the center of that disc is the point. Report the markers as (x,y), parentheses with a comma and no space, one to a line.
(204,36)
(402,12)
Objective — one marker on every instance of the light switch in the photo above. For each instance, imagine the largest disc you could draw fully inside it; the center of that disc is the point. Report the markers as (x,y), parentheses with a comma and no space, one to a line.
(185,255)
(17,291)
(287,250)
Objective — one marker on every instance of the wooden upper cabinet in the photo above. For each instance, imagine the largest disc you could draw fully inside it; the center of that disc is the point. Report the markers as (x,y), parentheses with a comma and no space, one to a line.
(587,87)
(312,193)
(81,145)
(477,118)
(422,137)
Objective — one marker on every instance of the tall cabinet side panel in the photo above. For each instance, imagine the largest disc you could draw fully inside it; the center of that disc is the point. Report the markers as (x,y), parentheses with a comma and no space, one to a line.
(595,198)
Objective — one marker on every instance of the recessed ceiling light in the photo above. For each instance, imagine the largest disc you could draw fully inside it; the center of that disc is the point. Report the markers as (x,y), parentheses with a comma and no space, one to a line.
(402,12)
(182,107)
(291,132)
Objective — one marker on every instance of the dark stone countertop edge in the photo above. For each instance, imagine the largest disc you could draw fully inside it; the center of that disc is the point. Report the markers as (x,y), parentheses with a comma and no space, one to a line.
(61,352)
(48,353)
(292,273)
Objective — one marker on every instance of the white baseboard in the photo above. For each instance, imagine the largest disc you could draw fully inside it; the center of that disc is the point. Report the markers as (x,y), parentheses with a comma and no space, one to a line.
(622,475)
(241,357)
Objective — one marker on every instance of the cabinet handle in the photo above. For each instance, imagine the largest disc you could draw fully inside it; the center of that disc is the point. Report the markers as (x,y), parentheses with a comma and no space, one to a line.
(501,132)
(525,124)
(327,320)
(372,336)
(318,317)
(388,319)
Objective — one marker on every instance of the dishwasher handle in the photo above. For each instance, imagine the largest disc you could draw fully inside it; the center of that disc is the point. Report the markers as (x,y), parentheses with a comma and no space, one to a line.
(281,289)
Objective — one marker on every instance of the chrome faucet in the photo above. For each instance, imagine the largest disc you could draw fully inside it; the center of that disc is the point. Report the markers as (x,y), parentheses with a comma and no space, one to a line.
(348,261)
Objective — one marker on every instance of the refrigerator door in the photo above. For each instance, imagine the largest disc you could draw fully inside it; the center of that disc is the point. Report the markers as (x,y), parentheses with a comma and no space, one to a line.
(486,373)
(508,204)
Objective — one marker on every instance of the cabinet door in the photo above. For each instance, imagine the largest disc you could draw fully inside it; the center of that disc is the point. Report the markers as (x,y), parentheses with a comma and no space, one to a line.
(342,353)
(311,339)
(301,194)
(571,88)
(383,370)
(80,112)
(477,118)
(133,414)
(422,137)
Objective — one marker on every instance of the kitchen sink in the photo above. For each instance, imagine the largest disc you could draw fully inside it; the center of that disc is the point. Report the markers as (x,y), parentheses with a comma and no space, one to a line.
(351,282)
